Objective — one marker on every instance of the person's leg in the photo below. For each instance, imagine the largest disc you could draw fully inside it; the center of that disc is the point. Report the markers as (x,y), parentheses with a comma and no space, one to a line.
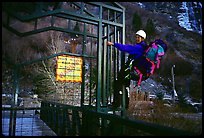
(116,95)
(118,86)
(127,89)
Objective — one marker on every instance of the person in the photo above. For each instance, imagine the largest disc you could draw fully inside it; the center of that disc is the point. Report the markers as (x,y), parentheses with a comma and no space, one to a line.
(136,53)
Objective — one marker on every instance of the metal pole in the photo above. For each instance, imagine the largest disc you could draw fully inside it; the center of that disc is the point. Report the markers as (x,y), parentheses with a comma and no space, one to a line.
(12,124)
(99,62)
(173,92)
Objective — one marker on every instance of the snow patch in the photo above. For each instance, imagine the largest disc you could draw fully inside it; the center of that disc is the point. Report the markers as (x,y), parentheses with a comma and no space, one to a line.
(183,17)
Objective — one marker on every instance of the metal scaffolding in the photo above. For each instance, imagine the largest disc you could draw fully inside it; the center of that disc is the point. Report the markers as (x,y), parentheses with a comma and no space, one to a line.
(98,22)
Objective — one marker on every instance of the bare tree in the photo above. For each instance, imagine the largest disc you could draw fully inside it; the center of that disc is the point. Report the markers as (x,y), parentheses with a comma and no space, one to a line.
(55,43)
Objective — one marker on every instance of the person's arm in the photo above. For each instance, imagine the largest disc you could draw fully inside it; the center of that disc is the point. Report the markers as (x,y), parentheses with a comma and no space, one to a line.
(122,47)
(109,43)
(125,47)
(137,51)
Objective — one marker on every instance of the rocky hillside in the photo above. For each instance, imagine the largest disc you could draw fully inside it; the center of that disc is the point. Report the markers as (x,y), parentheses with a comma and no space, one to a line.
(185,47)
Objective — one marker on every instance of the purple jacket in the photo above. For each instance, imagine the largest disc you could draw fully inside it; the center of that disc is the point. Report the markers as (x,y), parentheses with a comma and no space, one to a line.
(136,51)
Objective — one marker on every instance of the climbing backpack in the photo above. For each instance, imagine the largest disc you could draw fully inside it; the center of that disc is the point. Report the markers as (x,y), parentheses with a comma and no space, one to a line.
(155,52)
(141,69)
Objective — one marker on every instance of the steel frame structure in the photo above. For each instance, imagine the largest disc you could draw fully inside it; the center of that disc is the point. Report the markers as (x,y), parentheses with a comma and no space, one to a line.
(108,18)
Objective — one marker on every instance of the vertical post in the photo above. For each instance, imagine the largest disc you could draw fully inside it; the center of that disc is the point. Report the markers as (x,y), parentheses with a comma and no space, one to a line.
(90,80)
(104,77)
(83,70)
(12,125)
(109,74)
(173,82)
(99,61)
(123,60)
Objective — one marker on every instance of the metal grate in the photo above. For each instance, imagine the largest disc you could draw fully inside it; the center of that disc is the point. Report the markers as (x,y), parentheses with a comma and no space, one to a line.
(26,123)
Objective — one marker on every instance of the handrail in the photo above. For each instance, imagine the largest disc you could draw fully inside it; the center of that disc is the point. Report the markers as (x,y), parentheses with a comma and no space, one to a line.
(100,123)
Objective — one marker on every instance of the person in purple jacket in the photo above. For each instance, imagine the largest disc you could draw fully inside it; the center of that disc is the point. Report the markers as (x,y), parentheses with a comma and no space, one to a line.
(136,52)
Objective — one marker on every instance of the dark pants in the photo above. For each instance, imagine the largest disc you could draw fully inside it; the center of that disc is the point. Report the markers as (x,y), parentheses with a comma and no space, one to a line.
(143,65)
(118,86)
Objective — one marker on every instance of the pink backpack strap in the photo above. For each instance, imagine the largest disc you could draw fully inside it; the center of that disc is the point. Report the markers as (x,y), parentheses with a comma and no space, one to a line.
(154,45)
(147,50)
(140,79)
(158,61)
(158,64)
(153,65)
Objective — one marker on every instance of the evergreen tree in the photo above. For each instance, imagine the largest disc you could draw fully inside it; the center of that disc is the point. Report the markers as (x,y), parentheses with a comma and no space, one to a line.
(150,28)
(76,29)
(136,22)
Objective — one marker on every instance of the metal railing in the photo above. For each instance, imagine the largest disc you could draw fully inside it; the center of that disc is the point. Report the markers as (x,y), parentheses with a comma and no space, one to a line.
(55,119)
(79,121)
